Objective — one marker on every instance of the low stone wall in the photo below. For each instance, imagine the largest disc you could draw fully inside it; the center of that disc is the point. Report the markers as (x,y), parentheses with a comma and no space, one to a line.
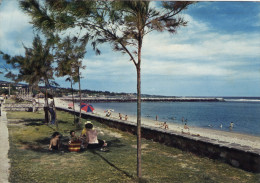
(236,155)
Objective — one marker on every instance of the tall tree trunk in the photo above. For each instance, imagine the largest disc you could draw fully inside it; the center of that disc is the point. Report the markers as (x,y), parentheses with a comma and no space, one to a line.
(54,109)
(138,70)
(46,105)
(9,91)
(79,97)
(73,101)
(139,170)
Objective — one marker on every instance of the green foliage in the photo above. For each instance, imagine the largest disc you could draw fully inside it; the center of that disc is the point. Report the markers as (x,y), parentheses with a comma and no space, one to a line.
(36,66)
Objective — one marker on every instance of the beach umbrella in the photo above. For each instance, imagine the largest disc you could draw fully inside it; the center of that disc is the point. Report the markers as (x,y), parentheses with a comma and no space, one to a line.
(87,107)
(109,110)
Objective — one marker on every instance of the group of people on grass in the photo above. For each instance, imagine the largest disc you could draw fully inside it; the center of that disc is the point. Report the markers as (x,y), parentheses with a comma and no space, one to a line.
(88,139)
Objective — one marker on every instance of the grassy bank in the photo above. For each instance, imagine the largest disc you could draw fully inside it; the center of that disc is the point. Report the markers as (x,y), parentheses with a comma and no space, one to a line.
(32,162)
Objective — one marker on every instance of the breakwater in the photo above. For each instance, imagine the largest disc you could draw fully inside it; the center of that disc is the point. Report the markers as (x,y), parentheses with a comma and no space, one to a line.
(244,157)
(148,99)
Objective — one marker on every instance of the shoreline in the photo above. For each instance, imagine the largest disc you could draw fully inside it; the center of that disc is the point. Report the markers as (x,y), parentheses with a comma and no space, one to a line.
(221,136)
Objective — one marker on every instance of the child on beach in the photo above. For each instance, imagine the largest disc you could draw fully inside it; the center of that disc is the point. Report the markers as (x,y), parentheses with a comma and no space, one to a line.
(186,129)
(165,126)
(55,142)
(186,126)
(120,116)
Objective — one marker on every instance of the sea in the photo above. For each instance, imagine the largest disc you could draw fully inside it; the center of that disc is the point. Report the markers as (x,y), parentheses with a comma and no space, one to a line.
(243,112)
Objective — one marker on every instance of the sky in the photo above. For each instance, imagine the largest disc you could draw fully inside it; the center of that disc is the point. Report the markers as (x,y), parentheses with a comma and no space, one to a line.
(216,54)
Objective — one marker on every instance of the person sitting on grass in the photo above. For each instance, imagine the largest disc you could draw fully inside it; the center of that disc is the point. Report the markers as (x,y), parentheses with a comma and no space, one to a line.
(55,142)
(73,137)
(92,139)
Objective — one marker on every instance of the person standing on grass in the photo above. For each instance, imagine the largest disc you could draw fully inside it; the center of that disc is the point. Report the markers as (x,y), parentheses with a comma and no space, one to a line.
(51,106)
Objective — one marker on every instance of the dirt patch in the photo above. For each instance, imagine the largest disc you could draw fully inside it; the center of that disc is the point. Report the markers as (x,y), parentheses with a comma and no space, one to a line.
(113,134)
(143,146)
(16,122)
(183,165)
(32,147)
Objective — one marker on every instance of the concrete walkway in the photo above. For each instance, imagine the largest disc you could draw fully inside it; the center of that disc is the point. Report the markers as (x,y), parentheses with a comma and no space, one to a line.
(4,148)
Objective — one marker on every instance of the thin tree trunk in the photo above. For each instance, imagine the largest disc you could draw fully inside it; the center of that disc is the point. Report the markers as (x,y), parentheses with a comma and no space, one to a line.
(139,170)
(138,69)
(79,97)
(46,105)
(73,102)
(55,113)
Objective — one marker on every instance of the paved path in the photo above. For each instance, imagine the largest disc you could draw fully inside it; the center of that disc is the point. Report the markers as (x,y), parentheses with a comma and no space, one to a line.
(4,148)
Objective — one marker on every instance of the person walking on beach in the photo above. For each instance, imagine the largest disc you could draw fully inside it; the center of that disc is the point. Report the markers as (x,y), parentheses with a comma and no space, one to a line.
(120,116)
(156,118)
(126,117)
(231,126)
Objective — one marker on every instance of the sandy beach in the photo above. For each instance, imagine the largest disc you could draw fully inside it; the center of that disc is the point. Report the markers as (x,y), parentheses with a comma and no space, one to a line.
(221,136)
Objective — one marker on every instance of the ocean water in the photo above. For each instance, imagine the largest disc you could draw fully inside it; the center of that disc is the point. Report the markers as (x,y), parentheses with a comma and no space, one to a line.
(244,114)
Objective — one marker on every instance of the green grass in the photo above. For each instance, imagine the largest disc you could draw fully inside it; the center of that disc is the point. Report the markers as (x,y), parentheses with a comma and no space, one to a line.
(32,162)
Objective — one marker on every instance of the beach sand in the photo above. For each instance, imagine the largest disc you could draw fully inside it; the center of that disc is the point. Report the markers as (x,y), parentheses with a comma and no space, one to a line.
(217,135)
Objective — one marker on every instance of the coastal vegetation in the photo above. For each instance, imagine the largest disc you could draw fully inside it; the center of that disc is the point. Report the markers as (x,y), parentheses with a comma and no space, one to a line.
(122,24)
(35,67)
(32,162)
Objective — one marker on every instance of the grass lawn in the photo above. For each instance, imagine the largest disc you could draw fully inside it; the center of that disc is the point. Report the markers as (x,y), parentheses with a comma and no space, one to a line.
(32,162)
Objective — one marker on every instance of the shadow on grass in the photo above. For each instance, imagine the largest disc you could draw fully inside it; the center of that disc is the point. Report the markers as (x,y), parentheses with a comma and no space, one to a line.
(42,145)
(39,122)
(111,164)
(34,122)
(115,143)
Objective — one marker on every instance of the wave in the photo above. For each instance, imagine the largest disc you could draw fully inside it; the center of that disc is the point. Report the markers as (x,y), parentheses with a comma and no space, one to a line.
(242,100)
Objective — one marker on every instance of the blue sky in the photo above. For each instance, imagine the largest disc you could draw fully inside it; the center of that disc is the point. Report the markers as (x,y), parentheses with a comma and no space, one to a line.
(217,54)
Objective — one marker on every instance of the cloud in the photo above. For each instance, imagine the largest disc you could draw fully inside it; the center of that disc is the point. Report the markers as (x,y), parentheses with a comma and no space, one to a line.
(184,69)
(204,53)
(14,28)
(197,51)
(257,23)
